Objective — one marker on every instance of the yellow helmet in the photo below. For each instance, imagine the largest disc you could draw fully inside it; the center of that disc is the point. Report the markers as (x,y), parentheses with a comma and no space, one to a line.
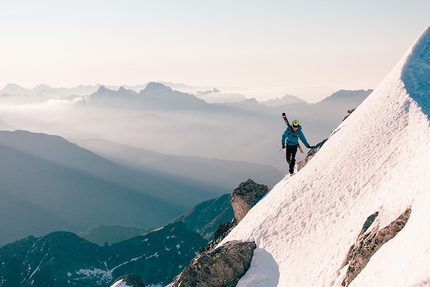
(295,123)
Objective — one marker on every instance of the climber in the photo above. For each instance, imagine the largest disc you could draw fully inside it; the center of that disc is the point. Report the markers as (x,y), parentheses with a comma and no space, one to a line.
(290,140)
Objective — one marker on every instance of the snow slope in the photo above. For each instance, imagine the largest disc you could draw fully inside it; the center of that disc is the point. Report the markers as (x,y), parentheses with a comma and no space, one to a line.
(376,160)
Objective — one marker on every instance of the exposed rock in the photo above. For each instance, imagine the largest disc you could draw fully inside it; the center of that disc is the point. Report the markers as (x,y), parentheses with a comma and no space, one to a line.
(349,113)
(243,198)
(368,244)
(222,231)
(222,267)
(246,196)
(310,155)
(129,280)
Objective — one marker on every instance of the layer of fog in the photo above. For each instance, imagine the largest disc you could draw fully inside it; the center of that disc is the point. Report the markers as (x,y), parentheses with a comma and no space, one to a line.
(241,132)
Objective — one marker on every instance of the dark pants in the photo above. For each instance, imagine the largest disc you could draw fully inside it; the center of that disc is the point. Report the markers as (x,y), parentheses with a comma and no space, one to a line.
(291,156)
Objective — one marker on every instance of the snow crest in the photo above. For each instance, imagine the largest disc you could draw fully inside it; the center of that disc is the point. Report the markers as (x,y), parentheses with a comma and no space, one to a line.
(416,72)
(376,160)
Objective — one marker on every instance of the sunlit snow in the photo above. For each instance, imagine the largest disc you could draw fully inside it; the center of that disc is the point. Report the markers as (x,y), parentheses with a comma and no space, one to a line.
(376,160)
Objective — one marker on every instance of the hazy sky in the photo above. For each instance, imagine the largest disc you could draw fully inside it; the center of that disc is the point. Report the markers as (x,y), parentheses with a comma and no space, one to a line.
(248,44)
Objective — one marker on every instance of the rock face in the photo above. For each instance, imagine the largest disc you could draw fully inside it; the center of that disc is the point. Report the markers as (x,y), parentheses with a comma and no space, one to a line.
(222,231)
(368,243)
(129,280)
(243,198)
(349,113)
(246,196)
(222,267)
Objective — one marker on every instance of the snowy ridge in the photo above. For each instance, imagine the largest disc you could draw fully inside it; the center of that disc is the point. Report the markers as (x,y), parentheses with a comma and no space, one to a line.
(416,72)
(376,160)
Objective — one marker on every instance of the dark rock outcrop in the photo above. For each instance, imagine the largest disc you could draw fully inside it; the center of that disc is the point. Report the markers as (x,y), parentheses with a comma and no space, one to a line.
(222,267)
(368,243)
(349,113)
(243,198)
(246,196)
(222,231)
(130,280)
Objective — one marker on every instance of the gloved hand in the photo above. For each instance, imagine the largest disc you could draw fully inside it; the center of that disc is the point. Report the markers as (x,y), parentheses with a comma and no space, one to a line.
(283,145)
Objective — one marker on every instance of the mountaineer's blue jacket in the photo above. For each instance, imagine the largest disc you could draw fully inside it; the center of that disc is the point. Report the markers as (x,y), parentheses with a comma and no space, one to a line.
(290,137)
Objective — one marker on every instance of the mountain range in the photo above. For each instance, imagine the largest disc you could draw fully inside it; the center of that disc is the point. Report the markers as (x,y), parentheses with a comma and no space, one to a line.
(223,174)
(48,184)
(203,219)
(101,254)
(243,131)
(285,100)
(41,91)
(161,119)
(65,259)
(109,234)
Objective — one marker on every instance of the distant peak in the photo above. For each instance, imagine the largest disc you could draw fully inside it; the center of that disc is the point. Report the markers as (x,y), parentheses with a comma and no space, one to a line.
(14,89)
(153,86)
(214,91)
(285,100)
(43,86)
(12,85)
(101,89)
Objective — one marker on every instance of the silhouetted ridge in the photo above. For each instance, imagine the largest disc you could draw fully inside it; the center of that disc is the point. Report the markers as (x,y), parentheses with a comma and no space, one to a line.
(156,87)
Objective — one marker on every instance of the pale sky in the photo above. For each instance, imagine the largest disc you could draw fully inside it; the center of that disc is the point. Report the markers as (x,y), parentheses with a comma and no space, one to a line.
(246,44)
